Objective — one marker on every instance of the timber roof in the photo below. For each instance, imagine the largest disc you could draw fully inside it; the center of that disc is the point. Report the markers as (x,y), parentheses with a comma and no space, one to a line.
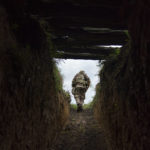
(81,29)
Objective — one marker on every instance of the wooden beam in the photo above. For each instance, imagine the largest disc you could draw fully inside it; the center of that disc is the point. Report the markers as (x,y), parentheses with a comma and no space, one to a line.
(100,51)
(97,37)
(60,42)
(100,22)
(106,14)
(88,33)
(85,38)
(56,9)
(79,56)
(60,31)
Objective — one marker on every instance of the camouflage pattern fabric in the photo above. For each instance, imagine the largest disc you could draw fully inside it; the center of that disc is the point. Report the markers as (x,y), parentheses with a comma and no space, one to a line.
(80,84)
(79,95)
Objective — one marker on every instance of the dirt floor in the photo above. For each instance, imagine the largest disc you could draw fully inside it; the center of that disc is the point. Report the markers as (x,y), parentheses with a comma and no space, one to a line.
(81,133)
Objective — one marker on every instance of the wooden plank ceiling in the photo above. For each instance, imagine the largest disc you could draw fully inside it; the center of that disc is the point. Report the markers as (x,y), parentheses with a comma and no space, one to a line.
(81,29)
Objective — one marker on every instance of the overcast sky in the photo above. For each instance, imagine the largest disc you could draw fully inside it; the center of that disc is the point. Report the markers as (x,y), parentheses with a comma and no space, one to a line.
(69,68)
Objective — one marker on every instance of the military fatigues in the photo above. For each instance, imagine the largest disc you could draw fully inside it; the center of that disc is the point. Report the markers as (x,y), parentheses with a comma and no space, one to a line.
(80,84)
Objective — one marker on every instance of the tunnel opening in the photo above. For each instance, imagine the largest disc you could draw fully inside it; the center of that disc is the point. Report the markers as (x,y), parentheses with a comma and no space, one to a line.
(32,103)
(70,67)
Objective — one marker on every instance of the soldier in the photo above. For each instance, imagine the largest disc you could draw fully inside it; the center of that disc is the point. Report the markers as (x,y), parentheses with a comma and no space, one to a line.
(80,84)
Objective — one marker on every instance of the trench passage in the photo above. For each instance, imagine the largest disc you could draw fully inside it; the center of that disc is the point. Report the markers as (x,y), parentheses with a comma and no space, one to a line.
(81,133)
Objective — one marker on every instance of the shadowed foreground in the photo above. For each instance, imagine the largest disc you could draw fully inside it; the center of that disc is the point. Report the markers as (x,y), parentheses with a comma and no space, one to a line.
(81,133)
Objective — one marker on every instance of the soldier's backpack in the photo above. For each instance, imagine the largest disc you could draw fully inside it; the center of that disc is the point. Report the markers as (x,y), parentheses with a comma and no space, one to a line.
(80,81)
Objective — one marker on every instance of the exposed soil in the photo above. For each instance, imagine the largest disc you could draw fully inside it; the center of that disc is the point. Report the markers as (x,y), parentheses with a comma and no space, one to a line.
(81,133)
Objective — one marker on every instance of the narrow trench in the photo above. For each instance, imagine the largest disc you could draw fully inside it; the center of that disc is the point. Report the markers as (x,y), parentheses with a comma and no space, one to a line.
(82,130)
(35,111)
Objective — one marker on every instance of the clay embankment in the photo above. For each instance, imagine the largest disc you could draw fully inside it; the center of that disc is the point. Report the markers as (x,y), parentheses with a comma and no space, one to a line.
(32,108)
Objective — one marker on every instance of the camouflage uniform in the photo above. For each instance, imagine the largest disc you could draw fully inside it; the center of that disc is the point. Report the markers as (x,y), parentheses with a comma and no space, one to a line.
(80,84)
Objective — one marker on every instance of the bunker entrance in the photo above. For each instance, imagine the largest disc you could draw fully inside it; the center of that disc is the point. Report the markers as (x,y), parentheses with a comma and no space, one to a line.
(33,107)
(86,31)
(70,67)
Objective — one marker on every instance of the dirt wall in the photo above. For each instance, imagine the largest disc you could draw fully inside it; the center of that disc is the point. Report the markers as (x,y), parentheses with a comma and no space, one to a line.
(32,110)
(123,106)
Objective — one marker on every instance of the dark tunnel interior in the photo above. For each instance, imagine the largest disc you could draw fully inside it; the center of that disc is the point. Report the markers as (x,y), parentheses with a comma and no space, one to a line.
(34,108)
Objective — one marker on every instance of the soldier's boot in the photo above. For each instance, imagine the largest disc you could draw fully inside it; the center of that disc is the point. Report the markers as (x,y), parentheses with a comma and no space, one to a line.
(81,108)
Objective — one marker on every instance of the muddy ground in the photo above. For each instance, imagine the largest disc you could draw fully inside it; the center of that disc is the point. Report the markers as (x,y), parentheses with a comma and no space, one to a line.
(81,133)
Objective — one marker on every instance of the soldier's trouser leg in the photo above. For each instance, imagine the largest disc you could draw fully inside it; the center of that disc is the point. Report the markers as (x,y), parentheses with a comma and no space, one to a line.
(77,98)
(79,101)
(82,97)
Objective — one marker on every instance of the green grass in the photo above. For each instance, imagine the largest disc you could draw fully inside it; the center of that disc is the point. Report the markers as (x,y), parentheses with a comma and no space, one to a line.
(73,106)
(85,106)
(59,83)
(58,78)
(88,106)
